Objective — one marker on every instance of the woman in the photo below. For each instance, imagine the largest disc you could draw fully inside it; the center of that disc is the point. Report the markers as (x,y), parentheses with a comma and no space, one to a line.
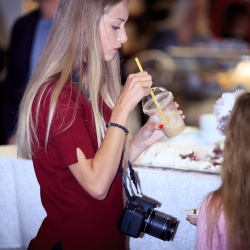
(224,221)
(73,120)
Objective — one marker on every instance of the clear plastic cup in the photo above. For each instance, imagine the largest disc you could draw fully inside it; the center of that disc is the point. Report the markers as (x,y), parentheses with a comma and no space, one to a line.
(172,122)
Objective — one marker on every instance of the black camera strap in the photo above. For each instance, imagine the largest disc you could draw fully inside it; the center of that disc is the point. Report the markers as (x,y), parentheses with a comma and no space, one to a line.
(125,184)
(132,175)
(133,178)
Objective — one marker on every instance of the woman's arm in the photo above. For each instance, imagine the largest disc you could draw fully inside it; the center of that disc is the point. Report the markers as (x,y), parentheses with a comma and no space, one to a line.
(147,136)
(96,175)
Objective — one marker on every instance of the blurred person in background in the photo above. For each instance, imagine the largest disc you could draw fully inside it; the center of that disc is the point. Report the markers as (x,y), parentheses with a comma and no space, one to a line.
(186,26)
(236,25)
(28,37)
(2,66)
(229,20)
(1,59)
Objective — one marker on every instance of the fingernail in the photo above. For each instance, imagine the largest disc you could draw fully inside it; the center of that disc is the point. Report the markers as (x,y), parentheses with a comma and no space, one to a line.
(161,126)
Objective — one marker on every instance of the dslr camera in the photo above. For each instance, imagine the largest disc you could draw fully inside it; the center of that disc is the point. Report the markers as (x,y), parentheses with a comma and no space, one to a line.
(139,216)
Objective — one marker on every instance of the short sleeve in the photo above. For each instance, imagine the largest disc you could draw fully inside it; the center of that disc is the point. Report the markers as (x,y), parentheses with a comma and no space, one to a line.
(72,127)
(63,146)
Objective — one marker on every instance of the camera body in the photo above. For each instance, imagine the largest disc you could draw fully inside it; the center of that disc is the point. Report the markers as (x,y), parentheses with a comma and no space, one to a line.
(139,216)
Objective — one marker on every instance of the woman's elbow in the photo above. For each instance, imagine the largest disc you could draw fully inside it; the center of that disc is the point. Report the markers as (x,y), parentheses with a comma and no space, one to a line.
(99,196)
(98,193)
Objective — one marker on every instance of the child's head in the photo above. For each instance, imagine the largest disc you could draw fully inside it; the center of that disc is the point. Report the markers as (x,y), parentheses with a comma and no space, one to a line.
(236,165)
(223,108)
(235,173)
(239,120)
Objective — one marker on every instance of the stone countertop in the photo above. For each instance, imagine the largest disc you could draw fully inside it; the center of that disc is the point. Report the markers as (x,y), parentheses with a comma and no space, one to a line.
(167,153)
(8,151)
(176,191)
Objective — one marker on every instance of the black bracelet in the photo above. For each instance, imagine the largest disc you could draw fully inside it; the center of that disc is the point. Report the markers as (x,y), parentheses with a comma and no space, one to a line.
(118,126)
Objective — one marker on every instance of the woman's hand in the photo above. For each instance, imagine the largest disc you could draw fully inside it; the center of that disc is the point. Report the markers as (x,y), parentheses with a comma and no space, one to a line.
(147,136)
(180,111)
(150,133)
(135,88)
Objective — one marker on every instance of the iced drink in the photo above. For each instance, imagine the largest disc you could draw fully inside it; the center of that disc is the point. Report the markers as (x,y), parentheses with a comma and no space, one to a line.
(173,123)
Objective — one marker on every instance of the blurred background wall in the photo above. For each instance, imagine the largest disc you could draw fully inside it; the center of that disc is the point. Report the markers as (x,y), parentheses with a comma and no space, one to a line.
(10,10)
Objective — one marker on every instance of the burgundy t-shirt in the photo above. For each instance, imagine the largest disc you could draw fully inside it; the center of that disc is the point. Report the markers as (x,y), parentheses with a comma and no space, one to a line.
(74,218)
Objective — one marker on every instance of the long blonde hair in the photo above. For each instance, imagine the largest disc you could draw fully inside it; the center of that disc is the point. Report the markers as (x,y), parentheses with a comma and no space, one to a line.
(234,194)
(74,39)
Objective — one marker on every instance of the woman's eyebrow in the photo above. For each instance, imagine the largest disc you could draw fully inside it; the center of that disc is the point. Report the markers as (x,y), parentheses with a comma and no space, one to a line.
(123,20)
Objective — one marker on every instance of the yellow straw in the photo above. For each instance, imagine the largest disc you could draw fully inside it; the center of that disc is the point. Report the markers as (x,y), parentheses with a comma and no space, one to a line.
(153,96)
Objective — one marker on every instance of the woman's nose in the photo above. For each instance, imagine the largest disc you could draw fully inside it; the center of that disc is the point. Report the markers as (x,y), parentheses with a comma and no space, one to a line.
(123,36)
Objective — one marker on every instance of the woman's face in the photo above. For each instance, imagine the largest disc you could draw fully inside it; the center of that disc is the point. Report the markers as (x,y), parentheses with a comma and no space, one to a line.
(112,30)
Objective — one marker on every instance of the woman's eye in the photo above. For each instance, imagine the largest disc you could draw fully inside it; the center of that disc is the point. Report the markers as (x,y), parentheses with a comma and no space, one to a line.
(115,27)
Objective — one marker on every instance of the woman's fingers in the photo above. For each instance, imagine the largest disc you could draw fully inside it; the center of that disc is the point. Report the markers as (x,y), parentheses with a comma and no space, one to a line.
(151,129)
(182,115)
(180,111)
(141,78)
(135,88)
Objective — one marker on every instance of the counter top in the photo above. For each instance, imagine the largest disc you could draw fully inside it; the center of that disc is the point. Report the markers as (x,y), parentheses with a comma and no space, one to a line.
(190,151)
(8,151)
(176,191)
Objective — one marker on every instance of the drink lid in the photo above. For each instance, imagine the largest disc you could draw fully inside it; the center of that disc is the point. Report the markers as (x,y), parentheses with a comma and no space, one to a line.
(163,97)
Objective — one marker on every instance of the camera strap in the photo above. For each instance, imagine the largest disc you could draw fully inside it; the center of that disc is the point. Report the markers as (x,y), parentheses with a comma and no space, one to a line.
(132,177)
(125,184)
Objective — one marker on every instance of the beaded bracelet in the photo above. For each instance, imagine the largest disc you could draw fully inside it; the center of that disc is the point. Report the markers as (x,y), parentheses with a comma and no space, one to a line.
(118,126)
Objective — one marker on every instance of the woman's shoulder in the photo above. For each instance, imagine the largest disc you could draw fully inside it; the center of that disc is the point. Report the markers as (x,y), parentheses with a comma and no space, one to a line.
(69,104)
(68,100)
(68,92)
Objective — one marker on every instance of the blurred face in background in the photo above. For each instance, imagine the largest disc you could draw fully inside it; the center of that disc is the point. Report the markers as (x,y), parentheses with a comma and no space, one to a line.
(240,26)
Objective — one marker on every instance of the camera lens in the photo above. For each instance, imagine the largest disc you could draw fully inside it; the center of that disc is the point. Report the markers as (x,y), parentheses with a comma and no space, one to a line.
(160,225)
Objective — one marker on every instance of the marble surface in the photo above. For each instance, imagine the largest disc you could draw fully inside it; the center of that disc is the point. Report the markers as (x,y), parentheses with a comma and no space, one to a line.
(10,234)
(8,151)
(167,152)
(21,212)
(176,191)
